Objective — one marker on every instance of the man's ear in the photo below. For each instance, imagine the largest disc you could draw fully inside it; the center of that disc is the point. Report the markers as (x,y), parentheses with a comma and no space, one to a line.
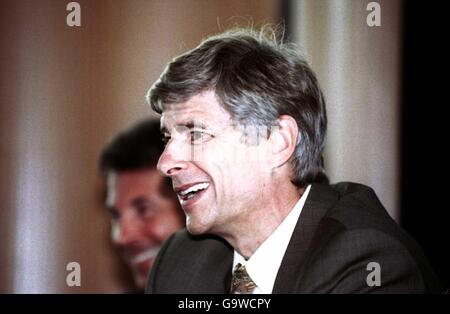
(283,140)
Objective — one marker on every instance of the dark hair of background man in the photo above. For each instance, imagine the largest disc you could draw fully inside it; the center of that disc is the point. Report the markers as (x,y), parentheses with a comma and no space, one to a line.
(133,149)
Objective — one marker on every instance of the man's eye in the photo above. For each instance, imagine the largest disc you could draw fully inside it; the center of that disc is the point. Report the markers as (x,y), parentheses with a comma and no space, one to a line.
(146,211)
(114,214)
(198,137)
(142,210)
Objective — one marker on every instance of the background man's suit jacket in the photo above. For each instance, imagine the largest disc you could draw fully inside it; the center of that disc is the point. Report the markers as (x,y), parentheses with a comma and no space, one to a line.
(341,229)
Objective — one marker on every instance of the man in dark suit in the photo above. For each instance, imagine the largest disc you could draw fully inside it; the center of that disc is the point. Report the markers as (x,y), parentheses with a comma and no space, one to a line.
(244,120)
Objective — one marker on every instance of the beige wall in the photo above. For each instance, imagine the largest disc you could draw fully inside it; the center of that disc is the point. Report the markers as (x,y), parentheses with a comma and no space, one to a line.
(359,69)
(64,92)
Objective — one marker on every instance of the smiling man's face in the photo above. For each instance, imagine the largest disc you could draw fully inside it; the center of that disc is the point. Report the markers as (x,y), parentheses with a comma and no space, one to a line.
(143,216)
(217,183)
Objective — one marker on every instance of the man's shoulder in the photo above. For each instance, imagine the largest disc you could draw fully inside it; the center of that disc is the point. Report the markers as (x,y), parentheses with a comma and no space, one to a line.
(358,207)
(357,230)
(191,264)
(358,210)
(358,213)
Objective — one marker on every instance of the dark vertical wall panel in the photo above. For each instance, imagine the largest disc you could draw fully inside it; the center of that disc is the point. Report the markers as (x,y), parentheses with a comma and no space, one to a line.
(425,209)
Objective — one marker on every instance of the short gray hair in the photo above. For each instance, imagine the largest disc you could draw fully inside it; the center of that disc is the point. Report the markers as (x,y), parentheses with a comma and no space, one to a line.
(256,80)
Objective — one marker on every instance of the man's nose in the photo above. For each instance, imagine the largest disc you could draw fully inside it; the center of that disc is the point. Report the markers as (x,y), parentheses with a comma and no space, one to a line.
(172,160)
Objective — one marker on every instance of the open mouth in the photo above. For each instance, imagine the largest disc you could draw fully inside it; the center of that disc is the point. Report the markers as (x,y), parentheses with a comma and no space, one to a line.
(192,192)
(145,255)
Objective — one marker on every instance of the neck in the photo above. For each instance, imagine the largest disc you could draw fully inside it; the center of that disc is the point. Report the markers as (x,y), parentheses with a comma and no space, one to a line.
(257,225)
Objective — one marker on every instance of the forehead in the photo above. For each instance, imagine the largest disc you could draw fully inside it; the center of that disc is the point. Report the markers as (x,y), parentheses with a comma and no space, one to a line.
(202,108)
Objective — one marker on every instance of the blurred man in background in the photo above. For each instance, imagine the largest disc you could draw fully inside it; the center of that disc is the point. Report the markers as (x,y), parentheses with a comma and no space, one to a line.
(143,208)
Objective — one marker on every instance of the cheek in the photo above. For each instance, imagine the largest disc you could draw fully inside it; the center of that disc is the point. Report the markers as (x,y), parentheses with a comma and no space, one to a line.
(163,226)
(218,150)
(231,167)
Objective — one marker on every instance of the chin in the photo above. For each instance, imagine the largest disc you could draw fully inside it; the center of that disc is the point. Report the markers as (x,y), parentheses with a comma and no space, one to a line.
(140,275)
(196,229)
(140,282)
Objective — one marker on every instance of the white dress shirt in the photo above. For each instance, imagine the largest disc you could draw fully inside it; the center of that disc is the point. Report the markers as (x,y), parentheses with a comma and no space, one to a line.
(263,265)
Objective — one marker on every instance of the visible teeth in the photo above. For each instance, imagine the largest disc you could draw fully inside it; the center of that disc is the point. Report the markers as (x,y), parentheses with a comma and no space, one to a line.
(151,253)
(195,188)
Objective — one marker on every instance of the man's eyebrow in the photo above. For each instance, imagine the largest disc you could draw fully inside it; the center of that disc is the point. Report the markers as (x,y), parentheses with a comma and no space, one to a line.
(188,124)
(192,124)
(139,201)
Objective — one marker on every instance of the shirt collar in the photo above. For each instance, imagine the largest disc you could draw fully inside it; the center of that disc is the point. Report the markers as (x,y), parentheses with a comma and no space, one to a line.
(263,265)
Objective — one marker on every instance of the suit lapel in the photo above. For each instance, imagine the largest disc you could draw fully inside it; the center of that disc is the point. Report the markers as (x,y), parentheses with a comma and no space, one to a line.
(320,199)
(212,274)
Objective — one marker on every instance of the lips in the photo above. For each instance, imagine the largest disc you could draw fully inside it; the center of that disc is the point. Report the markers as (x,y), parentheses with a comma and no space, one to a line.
(145,256)
(188,193)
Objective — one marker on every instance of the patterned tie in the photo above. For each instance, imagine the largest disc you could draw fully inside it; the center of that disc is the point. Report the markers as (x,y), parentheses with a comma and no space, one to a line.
(241,283)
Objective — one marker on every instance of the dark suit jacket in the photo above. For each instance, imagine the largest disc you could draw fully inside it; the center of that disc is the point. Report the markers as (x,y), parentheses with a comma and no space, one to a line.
(341,229)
